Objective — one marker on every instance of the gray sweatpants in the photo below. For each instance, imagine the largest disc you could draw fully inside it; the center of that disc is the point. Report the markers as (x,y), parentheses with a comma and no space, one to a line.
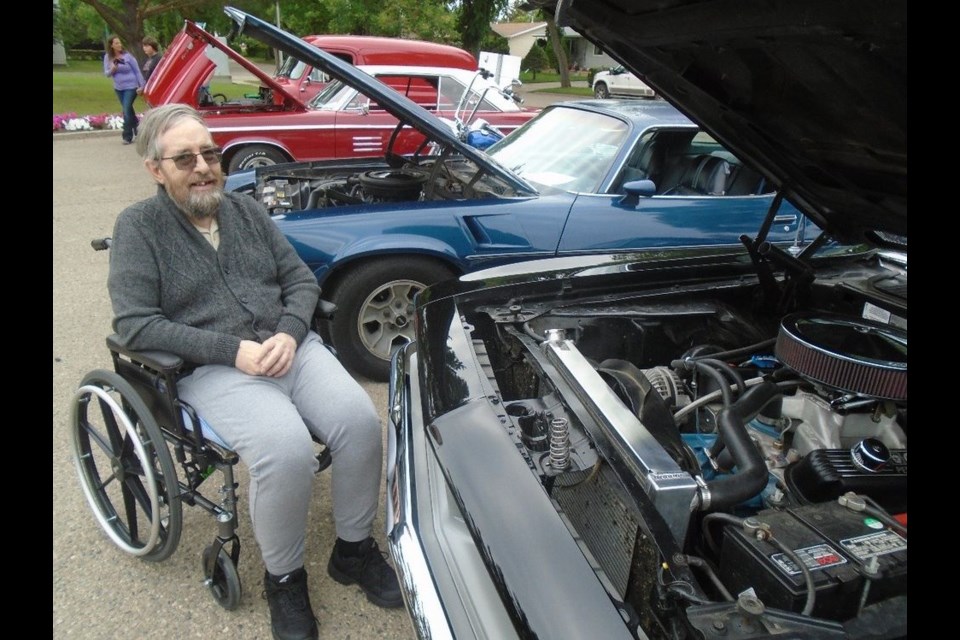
(266,421)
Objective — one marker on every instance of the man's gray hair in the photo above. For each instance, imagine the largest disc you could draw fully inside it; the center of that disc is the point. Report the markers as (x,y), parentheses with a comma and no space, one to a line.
(158,121)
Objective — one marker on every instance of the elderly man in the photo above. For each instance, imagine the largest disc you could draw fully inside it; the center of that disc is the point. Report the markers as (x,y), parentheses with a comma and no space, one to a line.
(208,276)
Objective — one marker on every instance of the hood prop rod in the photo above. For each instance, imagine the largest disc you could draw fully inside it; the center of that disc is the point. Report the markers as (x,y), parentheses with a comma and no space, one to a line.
(768,221)
(767,282)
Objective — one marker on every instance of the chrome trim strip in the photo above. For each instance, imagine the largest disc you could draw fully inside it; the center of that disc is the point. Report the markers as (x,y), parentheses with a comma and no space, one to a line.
(305,127)
(419,590)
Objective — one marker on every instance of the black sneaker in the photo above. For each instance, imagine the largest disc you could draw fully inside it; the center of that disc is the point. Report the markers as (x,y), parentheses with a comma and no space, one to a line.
(369,570)
(291,616)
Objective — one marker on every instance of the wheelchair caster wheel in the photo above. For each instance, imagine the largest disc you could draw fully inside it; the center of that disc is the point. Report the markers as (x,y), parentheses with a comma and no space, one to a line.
(223,581)
(125,467)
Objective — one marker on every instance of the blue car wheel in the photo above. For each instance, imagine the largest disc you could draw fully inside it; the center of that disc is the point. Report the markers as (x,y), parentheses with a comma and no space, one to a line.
(375,304)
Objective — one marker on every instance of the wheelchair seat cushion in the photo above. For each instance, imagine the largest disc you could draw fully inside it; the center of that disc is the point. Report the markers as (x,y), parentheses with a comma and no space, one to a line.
(205,428)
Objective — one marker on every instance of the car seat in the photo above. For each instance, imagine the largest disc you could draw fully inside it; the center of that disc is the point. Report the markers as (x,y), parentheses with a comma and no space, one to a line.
(704,175)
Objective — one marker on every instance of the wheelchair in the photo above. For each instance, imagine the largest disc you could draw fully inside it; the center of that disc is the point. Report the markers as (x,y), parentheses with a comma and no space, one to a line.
(142,453)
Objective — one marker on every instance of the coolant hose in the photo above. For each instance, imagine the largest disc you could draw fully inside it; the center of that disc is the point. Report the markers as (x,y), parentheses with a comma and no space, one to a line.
(751,476)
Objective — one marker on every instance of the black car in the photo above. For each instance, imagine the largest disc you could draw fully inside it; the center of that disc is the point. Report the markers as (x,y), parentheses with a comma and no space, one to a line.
(684,443)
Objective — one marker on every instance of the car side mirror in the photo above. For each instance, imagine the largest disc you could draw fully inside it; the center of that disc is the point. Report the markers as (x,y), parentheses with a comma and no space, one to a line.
(637,189)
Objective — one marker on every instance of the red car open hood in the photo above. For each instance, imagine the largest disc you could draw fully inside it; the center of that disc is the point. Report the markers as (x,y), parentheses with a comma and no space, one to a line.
(185,68)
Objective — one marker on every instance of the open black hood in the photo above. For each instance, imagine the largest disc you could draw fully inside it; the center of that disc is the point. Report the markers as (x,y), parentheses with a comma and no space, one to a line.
(812,92)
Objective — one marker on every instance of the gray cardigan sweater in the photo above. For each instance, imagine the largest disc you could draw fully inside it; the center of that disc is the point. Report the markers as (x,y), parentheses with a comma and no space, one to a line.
(172,291)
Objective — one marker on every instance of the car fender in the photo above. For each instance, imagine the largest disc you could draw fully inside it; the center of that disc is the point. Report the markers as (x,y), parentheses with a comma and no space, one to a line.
(475,234)
(385,247)
(237,143)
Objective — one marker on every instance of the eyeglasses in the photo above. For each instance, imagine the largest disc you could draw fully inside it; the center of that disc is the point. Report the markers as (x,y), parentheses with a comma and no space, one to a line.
(187,161)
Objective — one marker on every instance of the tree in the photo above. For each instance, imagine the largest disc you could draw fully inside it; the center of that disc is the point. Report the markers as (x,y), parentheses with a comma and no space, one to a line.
(127,18)
(432,20)
(423,20)
(474,18)
(553,35)
(57,33)
(534,61)
(80,26)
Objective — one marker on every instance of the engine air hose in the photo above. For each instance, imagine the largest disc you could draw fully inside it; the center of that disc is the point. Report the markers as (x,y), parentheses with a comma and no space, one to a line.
(751,477)
(724,460)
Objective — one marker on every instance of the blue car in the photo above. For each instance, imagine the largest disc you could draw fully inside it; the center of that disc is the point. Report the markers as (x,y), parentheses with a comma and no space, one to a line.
(581,178)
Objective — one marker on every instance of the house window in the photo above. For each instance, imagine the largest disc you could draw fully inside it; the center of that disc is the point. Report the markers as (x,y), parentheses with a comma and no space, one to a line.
(597,51)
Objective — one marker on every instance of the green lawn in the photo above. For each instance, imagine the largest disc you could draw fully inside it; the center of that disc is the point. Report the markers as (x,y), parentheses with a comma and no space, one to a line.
(81,88)
(549,76)
(570,91)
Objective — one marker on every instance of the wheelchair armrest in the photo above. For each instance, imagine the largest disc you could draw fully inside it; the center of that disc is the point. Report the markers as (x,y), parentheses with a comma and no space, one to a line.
(160,361)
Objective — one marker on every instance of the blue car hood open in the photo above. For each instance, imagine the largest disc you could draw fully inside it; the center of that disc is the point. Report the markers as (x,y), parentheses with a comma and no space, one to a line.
(398,105)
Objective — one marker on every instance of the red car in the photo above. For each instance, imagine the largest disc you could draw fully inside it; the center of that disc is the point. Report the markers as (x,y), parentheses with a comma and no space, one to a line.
(273,123)
(296,75)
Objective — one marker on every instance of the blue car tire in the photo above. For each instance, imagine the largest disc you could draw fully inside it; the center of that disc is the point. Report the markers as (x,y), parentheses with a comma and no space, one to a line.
(375,303)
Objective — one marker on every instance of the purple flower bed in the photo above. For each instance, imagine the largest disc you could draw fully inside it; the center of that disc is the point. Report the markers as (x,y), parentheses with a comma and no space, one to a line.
(73,122)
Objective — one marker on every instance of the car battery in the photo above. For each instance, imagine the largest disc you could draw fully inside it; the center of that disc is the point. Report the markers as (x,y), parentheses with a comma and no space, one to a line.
(854,560)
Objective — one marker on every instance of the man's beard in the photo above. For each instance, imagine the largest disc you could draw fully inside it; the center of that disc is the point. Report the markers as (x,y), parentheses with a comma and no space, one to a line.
(203,205)
(199,206)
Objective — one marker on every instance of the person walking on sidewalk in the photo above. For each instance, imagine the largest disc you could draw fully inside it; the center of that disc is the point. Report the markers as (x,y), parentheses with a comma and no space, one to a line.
(120,65)
(207,275)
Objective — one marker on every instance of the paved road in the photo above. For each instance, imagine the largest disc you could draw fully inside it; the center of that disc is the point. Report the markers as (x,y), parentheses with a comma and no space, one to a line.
(100,591)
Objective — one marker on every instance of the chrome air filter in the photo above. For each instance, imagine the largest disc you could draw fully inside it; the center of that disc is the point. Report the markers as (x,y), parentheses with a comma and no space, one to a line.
(845,353)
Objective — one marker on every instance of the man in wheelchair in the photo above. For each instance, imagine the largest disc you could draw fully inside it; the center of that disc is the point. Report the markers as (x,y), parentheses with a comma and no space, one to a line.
(206,275)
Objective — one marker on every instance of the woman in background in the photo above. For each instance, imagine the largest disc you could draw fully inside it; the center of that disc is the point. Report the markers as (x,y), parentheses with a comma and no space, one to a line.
(120,65)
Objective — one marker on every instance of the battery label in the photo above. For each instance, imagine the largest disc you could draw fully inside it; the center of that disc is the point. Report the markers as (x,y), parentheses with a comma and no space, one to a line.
(874,544)
(820,556)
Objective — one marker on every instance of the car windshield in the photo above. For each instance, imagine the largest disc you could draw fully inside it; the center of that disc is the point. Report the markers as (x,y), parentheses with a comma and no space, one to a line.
(430,92)
(563,148)
(332,97)
(291,68)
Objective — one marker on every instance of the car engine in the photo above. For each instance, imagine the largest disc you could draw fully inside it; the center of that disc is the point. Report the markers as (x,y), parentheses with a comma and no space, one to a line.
(732,469)
(298,186)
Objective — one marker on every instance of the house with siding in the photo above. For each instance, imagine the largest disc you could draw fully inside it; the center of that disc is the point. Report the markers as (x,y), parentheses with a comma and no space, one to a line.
(521,36)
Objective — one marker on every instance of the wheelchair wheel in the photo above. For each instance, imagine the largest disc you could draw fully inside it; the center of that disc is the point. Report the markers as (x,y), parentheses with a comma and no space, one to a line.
(224,583)
(125,467)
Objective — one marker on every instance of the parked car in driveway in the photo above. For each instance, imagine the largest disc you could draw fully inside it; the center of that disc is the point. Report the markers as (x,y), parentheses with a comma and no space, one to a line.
(276,124)
(618,82)
(591,176)
(298,76)
(673,443)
